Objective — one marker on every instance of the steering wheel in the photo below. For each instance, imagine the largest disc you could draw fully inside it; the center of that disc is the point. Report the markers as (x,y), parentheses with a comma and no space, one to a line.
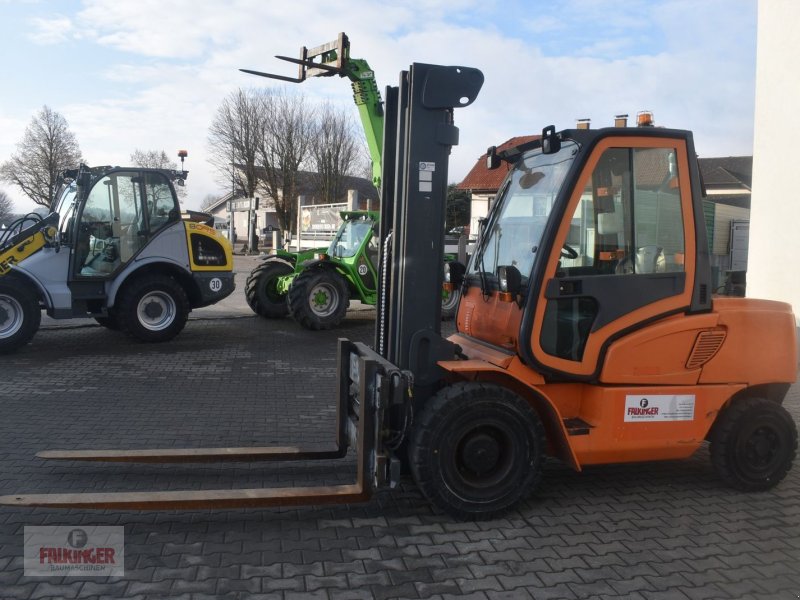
(568,252)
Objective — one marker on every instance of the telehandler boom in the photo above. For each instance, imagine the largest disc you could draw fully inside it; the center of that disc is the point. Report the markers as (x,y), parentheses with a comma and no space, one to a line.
(586,331)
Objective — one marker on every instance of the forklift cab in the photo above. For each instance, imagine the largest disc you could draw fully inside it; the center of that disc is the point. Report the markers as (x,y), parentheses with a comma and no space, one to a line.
(595,233)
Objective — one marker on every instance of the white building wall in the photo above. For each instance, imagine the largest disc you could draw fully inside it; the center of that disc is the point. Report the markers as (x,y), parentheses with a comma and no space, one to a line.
(775,212)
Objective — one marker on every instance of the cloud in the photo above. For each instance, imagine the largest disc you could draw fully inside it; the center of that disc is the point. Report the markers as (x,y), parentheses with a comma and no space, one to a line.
(53,30)
(168,66)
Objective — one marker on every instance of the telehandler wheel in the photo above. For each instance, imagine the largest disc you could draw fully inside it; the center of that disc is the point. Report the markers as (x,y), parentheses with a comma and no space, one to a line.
(753,444)
(261,289)
(153,308)
(318,299)
(476,450)
(450,304)
(20,315)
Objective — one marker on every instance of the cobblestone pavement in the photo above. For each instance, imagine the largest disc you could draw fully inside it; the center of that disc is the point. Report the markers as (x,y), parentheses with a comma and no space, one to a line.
(654,530)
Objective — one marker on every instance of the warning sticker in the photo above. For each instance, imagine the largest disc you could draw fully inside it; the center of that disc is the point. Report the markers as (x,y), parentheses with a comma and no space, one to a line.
(659,407)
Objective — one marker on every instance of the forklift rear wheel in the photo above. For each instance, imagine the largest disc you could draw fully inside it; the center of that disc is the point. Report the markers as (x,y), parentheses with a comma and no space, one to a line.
(318,299)
(153,308)
(20,315)
(476,450)
(753,444)
(450,304)
(261,289)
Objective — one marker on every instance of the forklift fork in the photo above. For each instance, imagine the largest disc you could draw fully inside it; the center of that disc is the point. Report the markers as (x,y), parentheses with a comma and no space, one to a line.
(332,57)
(366,383)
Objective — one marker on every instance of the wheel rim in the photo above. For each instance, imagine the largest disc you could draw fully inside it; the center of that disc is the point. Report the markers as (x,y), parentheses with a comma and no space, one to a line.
(449,300)
(11,316)
(156,311)
(324,299)
(479,461)
(759,451)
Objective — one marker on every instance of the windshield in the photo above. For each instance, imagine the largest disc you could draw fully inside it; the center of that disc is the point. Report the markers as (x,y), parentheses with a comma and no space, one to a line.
(349,237)
(522,211)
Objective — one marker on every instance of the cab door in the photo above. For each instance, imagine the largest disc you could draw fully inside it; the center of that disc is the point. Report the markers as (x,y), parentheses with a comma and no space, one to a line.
(620,257)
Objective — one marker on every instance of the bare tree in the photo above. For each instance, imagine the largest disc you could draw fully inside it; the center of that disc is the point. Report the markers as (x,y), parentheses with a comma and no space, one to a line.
(157,159)
(47,148)
(235,136)
(288,128)
(209,201)
(335,152)
(6,207)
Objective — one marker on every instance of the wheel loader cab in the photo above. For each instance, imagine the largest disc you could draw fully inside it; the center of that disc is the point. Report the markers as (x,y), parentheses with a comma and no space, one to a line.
(122,211)
(598,233)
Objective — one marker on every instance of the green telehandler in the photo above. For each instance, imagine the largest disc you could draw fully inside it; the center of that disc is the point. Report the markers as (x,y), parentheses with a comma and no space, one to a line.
(315,286)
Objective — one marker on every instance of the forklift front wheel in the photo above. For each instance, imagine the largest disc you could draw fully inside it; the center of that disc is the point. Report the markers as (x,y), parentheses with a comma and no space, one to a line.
(20,315)
(476,450)
(753,444)
(153,308)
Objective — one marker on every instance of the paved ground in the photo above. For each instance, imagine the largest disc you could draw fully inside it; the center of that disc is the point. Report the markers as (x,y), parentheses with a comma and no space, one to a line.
(655,530)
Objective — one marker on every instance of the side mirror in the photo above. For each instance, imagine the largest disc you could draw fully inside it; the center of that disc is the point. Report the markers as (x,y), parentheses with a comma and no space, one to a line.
(550,142)
(454,273)
(492,160)
(509,281)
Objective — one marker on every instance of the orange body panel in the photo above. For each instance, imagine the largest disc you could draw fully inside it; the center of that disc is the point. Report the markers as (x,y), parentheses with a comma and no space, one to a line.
(760,347)
(498,322)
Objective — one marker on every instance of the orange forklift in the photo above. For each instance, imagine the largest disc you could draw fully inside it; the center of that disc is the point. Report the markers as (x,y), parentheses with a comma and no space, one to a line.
(586,329)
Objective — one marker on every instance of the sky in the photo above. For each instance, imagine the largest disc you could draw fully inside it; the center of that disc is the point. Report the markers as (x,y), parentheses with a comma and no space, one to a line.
(150,74)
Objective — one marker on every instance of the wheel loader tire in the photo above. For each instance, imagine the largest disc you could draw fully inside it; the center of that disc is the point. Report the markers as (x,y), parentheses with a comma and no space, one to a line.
(450,304)
(476,450)
(753,444)
(109,322)
(153,308)
(261,293)
(20,315)
(318,299)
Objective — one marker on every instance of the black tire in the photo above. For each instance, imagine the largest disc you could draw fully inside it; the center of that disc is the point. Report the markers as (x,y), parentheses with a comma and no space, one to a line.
(20,315)
(153,308)
(450,304)
(318,299)
(476,450)
(109,322)
(753,444)
(260,290)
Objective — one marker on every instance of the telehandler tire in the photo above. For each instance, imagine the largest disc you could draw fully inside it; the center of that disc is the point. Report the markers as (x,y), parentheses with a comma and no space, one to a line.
(753,444)
(476,450)
(450,304)
(20,315)
(153,308)
(318,299)
(260,289)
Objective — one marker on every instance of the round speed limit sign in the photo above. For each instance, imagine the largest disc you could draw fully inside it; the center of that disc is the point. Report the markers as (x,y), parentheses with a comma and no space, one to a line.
(215,284)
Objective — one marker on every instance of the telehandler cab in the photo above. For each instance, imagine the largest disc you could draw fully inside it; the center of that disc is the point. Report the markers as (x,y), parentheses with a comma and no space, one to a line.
(116,248)
(586,330)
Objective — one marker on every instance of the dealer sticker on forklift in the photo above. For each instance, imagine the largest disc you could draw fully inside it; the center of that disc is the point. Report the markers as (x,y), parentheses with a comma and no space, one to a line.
(659,407)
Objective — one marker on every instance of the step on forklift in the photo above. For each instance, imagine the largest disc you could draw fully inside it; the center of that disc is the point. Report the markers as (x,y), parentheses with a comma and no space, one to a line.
(116,248)
(586,330)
